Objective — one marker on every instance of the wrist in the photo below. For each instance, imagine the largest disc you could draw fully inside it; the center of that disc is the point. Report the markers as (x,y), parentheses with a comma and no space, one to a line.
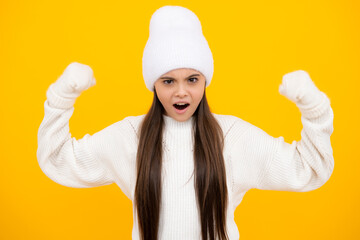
(56,99)
(311,99)
(316,107)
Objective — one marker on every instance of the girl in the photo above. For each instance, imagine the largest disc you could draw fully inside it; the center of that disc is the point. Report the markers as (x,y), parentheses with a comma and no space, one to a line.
(185,169)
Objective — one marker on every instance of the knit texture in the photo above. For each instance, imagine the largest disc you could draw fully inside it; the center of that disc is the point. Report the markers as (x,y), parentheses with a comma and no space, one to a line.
(175,41)
(253,159)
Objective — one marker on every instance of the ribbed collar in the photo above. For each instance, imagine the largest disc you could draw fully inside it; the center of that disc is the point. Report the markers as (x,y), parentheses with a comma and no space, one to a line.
(173,124)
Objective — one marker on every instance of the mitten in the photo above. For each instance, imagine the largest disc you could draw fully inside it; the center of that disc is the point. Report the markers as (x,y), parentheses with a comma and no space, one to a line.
(76,78)
(298,87)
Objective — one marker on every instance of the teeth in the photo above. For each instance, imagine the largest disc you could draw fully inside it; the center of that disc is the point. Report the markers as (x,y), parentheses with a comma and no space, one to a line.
(180,103)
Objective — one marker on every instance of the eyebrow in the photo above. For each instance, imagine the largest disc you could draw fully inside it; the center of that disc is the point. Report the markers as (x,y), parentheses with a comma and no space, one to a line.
(187,77)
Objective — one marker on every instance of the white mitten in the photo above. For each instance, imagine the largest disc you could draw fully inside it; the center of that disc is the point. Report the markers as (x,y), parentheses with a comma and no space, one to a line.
(76,78)
(298,87)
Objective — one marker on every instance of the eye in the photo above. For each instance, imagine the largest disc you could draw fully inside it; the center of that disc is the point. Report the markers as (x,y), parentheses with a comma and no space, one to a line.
(193,80)
(168,81)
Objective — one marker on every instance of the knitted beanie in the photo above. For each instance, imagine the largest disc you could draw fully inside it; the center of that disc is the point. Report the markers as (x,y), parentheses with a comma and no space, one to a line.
(175,41)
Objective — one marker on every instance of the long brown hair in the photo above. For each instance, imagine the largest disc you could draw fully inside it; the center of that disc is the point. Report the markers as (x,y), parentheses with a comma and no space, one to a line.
(210,180)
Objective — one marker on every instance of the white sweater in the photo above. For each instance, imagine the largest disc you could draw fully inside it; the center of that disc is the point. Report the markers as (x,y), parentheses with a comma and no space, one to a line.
(253,159)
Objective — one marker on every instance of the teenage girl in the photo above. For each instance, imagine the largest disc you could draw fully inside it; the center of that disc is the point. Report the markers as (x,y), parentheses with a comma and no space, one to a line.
(185,169)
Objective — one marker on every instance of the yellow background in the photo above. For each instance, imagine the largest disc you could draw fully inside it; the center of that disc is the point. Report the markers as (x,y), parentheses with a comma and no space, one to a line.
(254,43)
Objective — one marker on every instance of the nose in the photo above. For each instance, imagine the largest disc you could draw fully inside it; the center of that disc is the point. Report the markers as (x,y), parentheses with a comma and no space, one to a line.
(181,91)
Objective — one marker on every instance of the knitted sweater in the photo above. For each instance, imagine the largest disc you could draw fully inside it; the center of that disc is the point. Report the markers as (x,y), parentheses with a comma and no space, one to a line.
(253,159)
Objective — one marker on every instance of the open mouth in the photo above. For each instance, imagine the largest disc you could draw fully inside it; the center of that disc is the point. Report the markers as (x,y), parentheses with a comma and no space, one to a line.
(181,106)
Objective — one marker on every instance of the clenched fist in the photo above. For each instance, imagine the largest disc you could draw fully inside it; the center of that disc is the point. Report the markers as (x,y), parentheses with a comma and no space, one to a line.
(76,78)
(298,87)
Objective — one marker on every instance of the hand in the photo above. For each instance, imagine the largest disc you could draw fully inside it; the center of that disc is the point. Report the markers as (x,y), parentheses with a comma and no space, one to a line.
(298,87)
(76,78)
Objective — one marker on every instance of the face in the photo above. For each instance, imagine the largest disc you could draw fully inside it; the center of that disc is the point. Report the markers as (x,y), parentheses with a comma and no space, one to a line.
(180,92)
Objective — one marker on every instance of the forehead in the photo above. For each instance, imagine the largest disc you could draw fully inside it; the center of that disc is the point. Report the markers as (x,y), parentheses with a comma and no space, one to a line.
(179,72)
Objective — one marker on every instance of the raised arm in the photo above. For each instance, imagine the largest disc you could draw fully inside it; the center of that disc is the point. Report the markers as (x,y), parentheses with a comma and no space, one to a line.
(64,159)
(271,163)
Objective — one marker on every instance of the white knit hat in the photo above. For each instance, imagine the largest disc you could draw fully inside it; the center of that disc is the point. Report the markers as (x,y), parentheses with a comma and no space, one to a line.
(175,41)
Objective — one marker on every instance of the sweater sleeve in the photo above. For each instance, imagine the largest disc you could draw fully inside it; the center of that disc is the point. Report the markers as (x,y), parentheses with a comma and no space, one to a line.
(64,159)
(273,164)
